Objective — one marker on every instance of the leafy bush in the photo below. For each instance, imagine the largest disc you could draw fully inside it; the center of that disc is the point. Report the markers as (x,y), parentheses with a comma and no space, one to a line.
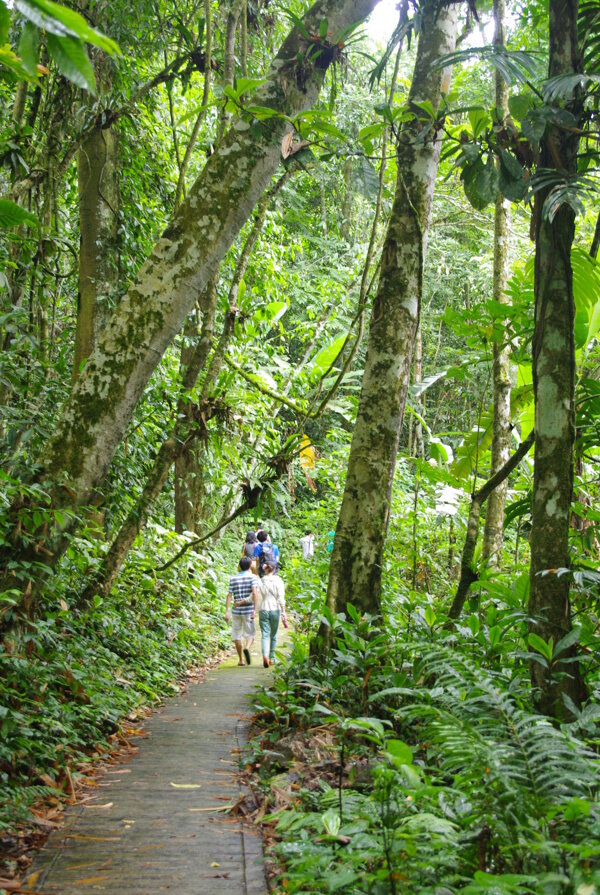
(444,780)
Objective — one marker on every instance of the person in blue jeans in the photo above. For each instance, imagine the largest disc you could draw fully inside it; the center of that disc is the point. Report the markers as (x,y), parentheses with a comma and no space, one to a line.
(271,601)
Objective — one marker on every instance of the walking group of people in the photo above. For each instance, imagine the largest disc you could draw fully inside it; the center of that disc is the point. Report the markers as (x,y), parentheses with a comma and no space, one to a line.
(257,588)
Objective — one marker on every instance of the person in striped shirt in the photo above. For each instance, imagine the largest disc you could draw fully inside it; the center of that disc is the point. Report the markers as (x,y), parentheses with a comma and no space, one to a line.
(244,594)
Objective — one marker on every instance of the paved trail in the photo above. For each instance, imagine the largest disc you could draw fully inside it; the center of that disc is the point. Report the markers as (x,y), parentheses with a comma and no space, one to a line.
(153,838)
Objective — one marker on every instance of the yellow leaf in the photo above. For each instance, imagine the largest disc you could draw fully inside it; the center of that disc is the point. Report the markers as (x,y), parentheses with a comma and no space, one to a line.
(214,864)
(186,785)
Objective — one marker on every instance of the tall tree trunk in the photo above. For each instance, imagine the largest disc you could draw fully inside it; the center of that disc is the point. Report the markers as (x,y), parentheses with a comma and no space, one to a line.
(98,185)
(162,295)
(553,383)
(355,572)
(171,448)
(493,534)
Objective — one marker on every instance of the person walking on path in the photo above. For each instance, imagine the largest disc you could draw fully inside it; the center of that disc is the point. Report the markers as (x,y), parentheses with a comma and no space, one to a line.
(271,592)
(308,545)
(266,552)
(248,550)
(243,591)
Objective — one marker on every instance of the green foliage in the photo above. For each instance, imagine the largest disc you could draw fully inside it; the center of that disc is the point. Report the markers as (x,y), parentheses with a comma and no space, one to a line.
(57,706)
(469,789)
(66,31)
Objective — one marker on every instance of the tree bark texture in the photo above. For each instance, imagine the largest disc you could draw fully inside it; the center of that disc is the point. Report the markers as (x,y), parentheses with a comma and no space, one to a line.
(98,185)
(493,535)
(184,259)
(355,571)
(194,360)
(187,460)
(553,383)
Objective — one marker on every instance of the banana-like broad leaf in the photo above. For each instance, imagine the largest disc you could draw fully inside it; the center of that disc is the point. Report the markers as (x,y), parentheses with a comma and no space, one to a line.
(327,356)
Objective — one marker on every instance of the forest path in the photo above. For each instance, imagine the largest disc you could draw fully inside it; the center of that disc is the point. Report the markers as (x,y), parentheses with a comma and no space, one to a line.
(156,822)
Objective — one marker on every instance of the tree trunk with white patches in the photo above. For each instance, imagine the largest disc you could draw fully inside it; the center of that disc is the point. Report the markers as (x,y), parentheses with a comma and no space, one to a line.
(184,259)
(493,534)
(98,183)
(553,383)
(355,572)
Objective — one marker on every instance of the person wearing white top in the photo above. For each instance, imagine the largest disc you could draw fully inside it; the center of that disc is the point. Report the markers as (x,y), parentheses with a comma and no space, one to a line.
(308,545)
(271,600)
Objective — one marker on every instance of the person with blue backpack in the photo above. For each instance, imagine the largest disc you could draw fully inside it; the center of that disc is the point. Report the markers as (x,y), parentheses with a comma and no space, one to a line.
(266,553)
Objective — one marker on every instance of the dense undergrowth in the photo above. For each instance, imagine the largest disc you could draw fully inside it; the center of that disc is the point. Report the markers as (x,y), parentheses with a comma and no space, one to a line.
(411,759)
(70,678)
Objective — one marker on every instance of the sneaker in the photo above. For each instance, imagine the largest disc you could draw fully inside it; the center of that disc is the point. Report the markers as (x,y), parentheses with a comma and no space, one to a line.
(247,655)
(265,662)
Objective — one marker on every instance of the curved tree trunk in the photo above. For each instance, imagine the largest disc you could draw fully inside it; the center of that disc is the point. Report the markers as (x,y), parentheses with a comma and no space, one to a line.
(493,534)
(553,383)
(355,571)
(184,259)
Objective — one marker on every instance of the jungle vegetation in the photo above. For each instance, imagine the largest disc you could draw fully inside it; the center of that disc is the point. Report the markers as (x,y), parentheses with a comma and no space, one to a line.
(267,261)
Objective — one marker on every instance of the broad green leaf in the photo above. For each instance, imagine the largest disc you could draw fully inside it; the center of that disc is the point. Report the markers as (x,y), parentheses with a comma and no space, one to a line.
(28,48)
(327,356)
(481,183)
(11,215)
(479,120)
(4,23)
(540,645)
(400,752)
(520,104)
(513,185)
(72,60)
(63,22)
(9,60)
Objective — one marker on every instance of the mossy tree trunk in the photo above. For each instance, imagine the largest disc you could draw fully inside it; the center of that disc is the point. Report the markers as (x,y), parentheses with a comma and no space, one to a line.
(356,561)
(98,186)
(493,534)
(162,295)
(553,383)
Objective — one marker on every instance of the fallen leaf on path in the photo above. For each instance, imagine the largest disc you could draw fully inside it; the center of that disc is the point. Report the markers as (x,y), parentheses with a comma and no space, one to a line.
(223,808)
(32,880)
(88,881)
(214,864)
(186,785)
(106,805)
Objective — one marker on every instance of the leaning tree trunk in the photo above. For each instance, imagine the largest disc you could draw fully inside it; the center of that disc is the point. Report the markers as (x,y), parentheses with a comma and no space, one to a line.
(355,572)
(493,534)
(553,383)
(186,256)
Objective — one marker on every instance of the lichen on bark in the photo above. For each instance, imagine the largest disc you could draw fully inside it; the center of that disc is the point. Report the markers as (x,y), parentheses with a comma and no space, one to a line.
(356,562)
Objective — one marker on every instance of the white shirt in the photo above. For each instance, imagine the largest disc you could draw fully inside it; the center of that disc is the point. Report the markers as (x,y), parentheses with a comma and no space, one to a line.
(271,593)
(308,546)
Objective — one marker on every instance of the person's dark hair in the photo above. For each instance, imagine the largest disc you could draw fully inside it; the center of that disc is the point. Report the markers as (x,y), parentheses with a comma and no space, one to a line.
(308,531)
(262,536)
(269,568)
(245,563)
(259,526)
(251,537)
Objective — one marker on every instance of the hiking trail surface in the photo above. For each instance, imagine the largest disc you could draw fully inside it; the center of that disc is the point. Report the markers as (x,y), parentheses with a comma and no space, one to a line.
(158,822)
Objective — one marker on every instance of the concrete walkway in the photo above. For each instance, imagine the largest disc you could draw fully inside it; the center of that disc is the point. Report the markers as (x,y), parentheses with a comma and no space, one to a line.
(147,829)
